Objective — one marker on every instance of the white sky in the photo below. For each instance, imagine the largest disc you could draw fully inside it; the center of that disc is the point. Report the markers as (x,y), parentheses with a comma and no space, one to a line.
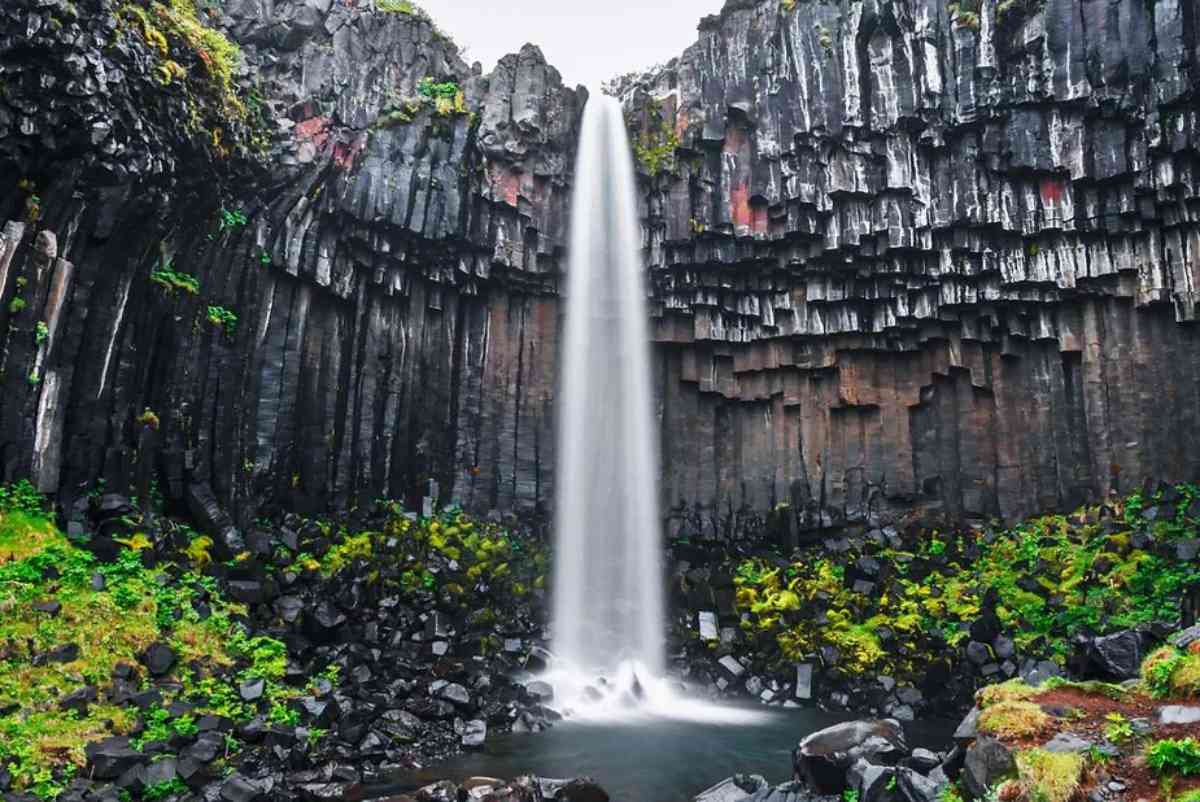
(589,41)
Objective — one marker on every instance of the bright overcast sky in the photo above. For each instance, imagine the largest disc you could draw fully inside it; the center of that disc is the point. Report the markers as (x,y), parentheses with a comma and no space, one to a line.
(589,41)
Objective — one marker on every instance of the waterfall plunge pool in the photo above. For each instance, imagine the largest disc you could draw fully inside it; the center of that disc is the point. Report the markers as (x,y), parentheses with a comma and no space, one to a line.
(656,759)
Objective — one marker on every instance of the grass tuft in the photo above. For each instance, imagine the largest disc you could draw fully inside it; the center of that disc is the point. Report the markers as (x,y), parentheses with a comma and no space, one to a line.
(1013,718)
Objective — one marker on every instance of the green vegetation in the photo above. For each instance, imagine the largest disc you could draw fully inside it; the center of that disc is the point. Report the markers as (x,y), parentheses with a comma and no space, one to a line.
(16,305)
(222,318)
(1049,579)
(850,795)
(444,99)
(1118,728)
(40,332)
(170,280)
(655,144)
(1168,672)
(400,7)
(1173,756)
(1013,719)
(231,219)
(41,744)
(200,59)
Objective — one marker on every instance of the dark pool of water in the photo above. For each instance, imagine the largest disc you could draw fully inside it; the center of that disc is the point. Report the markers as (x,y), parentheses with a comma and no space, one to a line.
(659,760)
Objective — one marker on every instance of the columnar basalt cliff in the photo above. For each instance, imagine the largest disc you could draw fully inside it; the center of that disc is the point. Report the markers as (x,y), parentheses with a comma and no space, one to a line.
(903,254)
(357,299)
(911,254)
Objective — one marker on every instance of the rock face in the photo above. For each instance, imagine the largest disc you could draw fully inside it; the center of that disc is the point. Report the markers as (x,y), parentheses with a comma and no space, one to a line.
(899,259)
(911,258)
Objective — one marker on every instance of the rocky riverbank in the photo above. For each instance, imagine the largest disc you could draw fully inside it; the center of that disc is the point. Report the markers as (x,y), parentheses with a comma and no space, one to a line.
(910,620)
(144,658)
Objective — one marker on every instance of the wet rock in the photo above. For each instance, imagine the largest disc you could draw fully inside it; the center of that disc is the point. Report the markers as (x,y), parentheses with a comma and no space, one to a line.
(915,787)
(79,699)
(112,757)
(540,690)
(1178,714)
(1118,656)
(924,760)
(968,728)
(804,681)
(1067,742)
(987,761)
(823,757)
(252,690)
(66,653)
(583,789)
(732,666)
(738,788)
(868,780)
(474,734)
(239,788)
(158,659)
(708,626)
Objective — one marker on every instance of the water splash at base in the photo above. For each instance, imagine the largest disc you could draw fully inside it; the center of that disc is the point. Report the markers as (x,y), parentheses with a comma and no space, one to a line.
(633,693)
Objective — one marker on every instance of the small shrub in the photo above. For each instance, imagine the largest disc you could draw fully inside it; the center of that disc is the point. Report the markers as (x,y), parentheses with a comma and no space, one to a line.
(1013,719)
(16,305)
(1118,728)
(40,332)
(21,496)
(1175,756)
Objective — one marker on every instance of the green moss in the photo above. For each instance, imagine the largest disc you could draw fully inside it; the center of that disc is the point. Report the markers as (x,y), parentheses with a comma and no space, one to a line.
(41,745)
(1168,672)
(1013,718)
(1053,577)
(1015,690)
(1050,776)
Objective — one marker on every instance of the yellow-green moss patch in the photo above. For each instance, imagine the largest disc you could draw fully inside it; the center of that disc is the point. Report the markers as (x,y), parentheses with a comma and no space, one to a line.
(1013,718)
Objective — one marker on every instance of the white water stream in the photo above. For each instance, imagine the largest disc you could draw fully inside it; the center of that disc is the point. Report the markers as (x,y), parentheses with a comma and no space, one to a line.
(608,623)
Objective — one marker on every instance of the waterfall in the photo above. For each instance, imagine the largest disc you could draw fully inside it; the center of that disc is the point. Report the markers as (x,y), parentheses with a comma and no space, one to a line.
(608,624)
(608,607)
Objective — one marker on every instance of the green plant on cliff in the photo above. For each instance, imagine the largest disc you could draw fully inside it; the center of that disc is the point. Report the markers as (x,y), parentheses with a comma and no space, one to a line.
(197,64)
(222,318)
(654,145)
(40,332)
(170,279)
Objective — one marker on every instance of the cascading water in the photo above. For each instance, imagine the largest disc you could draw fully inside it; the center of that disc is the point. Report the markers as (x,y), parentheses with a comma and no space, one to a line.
(608,606)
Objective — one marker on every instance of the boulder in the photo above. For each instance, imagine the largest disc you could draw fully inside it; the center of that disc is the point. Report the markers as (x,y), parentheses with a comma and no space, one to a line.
(1116,657)
(869,781)
(733,789)
(158,659)
(474,734)
(804,681)
(987,762)
(110,758)
(916,787)
(582,789)
(823,757)
(1179,714)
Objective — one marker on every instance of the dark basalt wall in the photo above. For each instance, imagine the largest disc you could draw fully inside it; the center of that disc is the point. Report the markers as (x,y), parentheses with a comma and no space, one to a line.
(394,285)
(909,259)
(900,260)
